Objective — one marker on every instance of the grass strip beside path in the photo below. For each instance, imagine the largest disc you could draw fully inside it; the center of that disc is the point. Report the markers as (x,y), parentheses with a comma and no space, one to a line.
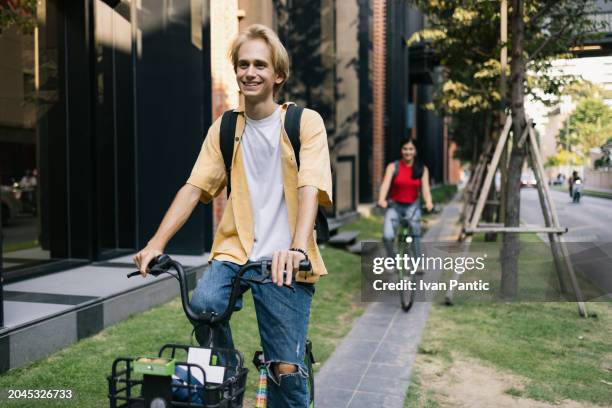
(555,354)
(83,367)
(558,355)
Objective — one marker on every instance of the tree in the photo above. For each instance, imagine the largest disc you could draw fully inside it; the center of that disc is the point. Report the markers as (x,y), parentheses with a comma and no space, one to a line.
(589,126)
(564,158)
(467,34)
(464,37)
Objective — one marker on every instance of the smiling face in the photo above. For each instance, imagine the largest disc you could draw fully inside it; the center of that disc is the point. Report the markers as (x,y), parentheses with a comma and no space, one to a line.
(254,71)
(408,152)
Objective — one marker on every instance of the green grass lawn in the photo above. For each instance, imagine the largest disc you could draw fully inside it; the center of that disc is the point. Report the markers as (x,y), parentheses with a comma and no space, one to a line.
(443,193)
(558,354)
(83,366)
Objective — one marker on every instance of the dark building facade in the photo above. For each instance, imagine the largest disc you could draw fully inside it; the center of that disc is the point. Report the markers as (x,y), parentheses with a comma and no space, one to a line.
(411,78)
(104,108)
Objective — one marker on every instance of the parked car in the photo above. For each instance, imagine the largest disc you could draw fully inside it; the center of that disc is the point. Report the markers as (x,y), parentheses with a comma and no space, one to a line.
(528,179)
(11,205)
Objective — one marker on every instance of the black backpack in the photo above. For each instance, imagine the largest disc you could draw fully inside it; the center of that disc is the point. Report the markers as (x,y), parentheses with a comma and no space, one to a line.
(292,127)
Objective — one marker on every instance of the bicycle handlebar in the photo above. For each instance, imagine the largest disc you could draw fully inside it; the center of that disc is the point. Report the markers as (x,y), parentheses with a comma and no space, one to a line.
(435,210)
(163,263)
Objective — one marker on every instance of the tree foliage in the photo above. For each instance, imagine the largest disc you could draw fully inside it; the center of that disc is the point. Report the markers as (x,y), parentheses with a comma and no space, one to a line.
(465,34)
(589,126)
(20,13)
(466,39)
(564,158)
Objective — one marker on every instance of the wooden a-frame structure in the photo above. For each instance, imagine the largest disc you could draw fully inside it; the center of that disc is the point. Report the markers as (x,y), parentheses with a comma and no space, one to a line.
(477,192)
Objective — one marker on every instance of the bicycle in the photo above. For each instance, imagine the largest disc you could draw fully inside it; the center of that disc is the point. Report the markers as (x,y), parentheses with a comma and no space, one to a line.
(403,243)
(159,385)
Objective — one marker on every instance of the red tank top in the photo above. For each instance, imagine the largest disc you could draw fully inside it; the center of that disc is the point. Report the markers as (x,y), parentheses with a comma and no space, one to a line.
(405,189)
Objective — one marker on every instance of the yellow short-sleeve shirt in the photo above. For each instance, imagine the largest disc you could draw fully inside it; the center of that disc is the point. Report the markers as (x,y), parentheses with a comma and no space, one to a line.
(234,236)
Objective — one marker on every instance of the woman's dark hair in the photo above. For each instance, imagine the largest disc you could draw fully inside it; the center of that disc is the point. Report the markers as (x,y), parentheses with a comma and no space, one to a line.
(417,165)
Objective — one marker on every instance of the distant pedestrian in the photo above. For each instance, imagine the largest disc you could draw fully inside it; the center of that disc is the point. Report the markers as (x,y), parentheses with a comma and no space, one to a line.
(27,185)
(571,182)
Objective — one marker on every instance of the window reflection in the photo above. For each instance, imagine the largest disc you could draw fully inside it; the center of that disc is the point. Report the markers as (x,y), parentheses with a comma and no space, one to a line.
(28,92)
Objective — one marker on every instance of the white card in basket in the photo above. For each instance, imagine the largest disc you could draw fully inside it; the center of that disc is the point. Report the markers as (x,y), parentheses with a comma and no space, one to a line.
(201,357)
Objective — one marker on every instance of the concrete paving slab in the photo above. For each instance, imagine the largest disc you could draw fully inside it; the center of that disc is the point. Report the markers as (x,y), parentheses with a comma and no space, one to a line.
(369,400)
(86,281)
(42,339)
(16,313)
(335,397)
(381,347)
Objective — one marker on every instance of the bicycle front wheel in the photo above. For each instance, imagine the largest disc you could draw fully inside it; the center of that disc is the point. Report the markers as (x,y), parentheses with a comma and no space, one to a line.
(406,295)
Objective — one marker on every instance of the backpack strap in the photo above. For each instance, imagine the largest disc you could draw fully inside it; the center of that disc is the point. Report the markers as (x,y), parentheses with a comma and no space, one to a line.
(396,167)
(292,127)
(226,141)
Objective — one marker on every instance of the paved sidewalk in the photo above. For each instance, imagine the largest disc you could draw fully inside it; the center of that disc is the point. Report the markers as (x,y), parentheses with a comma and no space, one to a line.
(372,365)
(46,313)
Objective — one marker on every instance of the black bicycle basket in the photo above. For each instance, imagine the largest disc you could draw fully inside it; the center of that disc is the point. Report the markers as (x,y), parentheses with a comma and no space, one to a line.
(126,388)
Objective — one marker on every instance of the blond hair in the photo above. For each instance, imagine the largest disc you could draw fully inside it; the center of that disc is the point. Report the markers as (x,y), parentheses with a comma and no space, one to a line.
(280,58)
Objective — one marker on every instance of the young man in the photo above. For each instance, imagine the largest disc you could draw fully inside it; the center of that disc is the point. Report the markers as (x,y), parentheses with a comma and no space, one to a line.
(270,212)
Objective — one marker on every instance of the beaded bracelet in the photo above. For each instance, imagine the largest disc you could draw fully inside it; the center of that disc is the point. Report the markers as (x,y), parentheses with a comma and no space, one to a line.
(300,250)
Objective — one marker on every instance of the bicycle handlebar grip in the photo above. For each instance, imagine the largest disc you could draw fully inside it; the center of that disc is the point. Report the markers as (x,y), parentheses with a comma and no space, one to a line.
(159,262)
(304,266)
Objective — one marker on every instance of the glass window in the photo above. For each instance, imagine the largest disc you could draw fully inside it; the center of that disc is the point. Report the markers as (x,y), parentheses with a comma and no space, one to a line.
(29,108)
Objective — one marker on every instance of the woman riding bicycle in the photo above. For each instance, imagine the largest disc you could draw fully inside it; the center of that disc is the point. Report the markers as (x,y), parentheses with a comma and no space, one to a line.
(404,182)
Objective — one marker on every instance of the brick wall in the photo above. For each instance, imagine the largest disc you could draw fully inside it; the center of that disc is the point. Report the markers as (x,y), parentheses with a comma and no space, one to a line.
(224,27)
(378,90)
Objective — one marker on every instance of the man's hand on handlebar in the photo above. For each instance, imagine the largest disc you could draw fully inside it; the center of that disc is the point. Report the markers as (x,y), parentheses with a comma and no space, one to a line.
(382,203)
(429,207)
(282,261)
(143,258)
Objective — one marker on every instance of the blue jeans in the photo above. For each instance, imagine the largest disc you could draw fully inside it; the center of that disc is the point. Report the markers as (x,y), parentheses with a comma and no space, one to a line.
(282,317)
(392,217)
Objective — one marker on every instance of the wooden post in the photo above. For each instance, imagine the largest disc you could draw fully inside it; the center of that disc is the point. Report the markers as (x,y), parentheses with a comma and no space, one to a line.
(484,193)
(472,219)
(552,225)
(558,248)
(503,12)
(473,186)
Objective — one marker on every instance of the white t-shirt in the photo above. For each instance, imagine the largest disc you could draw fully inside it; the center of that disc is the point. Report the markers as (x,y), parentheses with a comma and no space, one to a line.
(261,150)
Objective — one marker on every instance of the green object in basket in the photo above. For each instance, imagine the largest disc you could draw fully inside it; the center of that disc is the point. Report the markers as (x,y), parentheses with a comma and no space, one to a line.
(154,366)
